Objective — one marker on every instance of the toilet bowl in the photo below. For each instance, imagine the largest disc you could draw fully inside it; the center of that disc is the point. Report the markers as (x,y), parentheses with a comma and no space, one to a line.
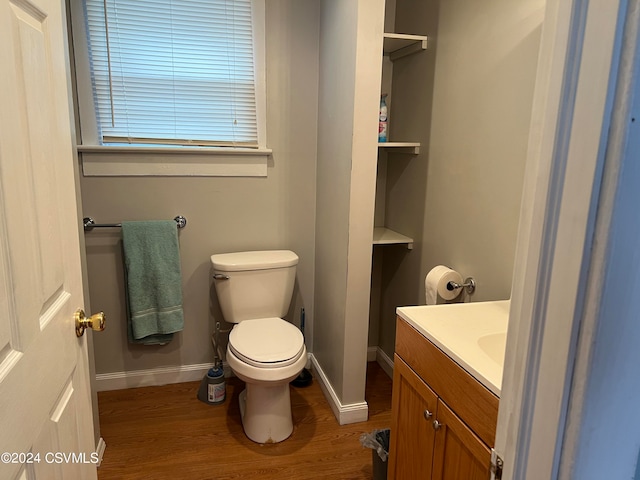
(266,352)
(256,356)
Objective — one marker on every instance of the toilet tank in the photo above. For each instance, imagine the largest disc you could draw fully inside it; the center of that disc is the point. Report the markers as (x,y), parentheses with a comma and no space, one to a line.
(255,284)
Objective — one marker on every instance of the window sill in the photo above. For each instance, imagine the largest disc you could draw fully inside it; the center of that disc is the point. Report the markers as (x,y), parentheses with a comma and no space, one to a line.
(98,160)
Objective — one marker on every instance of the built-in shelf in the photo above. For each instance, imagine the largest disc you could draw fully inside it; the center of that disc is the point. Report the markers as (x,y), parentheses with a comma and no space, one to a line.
(412,148)
(385,236)
(398,45)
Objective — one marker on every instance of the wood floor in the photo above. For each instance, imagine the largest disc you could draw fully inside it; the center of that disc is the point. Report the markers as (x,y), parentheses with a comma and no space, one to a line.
(167,433)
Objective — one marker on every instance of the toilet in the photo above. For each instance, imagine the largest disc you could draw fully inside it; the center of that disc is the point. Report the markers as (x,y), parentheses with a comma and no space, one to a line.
(254,291)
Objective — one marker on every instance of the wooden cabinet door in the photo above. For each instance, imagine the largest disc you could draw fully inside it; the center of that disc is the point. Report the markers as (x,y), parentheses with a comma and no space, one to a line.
(412,434)
(459,454)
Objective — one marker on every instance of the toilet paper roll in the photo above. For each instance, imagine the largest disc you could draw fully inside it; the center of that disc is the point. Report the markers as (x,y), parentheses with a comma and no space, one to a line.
(435,283)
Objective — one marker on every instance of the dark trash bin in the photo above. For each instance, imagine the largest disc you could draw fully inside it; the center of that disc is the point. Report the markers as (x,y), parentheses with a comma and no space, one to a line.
(378,442)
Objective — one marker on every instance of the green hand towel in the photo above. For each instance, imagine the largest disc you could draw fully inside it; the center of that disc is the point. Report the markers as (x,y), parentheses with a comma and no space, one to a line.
(153,281)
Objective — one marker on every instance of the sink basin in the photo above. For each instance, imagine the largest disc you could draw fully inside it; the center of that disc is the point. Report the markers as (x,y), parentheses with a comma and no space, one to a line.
(494,345)
(471,334)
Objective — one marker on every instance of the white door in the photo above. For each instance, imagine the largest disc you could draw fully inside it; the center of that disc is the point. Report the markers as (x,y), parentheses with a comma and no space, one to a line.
(46,429)
(577,139)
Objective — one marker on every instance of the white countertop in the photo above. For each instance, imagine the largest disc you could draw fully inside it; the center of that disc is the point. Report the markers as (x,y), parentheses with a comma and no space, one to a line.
(472,334)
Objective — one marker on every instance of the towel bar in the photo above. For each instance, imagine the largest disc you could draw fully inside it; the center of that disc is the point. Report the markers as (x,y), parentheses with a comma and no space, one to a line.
(89,223)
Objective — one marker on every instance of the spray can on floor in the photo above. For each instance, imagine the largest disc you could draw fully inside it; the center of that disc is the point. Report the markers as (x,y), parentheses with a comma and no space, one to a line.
(212,388)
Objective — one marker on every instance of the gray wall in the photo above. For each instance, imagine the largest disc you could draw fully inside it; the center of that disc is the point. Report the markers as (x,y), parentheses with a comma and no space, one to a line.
(350,62)
(224,214)
(335,128)
(468,100)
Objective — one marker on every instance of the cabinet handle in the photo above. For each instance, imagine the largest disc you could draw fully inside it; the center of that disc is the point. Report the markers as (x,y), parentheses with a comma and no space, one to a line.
(427,414)
(436,425)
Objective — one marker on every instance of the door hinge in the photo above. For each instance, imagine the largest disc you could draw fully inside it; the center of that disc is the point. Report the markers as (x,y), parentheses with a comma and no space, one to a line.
(496,465)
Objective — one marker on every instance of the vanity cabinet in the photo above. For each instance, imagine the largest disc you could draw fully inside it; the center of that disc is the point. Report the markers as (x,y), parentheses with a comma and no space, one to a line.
(414,406)
(443,419)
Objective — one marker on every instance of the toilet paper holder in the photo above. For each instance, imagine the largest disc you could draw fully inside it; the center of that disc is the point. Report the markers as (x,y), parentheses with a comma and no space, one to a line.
(469,285)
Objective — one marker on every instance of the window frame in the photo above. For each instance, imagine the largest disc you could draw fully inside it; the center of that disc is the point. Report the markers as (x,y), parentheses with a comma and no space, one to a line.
(134,160)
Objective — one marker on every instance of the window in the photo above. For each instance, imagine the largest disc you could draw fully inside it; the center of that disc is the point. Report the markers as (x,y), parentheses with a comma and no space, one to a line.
(172,73)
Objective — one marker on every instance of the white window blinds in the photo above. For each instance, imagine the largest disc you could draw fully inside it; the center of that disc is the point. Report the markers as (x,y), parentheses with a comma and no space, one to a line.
(173,71)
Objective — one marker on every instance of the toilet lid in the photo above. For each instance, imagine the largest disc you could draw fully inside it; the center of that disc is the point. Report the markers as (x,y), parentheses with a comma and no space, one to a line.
(266,342)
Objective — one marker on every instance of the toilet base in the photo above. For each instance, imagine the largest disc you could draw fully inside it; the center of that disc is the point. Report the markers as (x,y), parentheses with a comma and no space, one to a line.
(266,412)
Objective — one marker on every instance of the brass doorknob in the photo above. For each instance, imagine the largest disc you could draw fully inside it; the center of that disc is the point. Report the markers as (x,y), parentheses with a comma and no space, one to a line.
(95,322)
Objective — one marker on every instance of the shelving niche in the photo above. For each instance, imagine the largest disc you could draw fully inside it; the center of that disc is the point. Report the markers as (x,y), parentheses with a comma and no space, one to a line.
(395,46)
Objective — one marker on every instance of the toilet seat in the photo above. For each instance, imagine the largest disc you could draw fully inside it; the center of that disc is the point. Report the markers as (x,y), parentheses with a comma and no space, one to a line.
(266,342)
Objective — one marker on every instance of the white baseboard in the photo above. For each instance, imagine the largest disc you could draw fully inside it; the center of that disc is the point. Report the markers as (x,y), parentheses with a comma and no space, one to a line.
(384,361)
(371,354)
(345,414)
(154,377)
(100,448)
(376,354)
